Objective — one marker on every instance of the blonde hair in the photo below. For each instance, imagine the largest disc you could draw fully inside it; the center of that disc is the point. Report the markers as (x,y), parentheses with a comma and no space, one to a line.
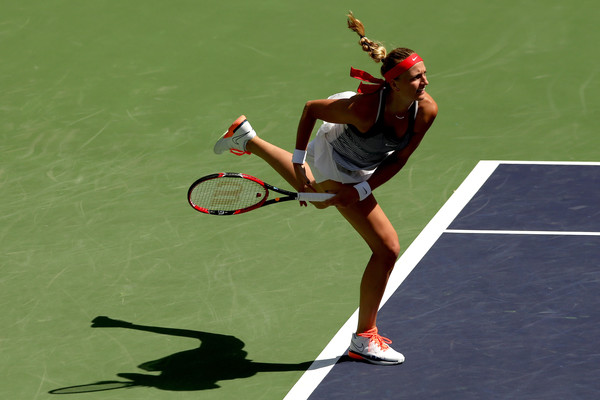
(376,50)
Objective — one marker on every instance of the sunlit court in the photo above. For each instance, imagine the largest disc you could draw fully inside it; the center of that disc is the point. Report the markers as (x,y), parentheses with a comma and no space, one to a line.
(113,287)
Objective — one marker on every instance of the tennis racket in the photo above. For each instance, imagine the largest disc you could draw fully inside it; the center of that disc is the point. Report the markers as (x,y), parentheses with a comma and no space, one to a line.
(230,193)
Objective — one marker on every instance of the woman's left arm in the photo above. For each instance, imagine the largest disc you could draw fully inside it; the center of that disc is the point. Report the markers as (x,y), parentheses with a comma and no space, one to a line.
(396,161)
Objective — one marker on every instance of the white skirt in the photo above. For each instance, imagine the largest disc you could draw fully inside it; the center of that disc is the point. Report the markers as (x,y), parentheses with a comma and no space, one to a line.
(319,154)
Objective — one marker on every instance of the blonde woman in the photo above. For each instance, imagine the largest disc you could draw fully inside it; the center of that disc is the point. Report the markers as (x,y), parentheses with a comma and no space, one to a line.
(365,139)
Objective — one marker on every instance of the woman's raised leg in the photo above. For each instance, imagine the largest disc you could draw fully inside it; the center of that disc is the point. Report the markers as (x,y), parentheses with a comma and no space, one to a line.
(241,138)
(279,159)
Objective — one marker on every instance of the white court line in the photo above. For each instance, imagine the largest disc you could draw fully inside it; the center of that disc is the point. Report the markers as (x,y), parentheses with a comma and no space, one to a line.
(438,225)
(492,232)
(583,163)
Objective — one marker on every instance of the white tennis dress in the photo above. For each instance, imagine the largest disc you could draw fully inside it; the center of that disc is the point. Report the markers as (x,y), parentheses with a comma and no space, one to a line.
(341,153)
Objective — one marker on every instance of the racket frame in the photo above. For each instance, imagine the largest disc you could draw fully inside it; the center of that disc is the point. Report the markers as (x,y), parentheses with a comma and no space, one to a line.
(265,199)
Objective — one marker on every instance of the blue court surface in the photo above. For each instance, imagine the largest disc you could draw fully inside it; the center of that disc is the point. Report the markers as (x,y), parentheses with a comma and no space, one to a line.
(498,297)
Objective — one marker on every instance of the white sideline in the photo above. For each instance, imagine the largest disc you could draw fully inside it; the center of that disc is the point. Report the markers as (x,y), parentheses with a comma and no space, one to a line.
(493,232)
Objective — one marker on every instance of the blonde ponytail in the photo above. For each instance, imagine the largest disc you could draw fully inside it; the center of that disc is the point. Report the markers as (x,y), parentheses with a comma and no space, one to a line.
(375,49)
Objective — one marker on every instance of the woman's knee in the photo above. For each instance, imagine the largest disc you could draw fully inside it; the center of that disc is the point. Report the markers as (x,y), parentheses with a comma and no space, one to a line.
(389,250)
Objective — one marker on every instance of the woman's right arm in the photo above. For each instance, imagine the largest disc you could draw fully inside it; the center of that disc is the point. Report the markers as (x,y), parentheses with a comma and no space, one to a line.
(359,110)
(341,111)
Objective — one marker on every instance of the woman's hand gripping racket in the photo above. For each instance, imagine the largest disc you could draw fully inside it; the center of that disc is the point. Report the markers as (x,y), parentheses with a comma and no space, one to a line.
(230,193)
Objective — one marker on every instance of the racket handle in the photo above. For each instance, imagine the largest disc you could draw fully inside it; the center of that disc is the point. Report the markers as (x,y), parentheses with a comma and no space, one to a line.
(309,196)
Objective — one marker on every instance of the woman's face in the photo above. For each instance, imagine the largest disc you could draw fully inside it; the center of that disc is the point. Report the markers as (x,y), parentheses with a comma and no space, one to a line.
(412,83)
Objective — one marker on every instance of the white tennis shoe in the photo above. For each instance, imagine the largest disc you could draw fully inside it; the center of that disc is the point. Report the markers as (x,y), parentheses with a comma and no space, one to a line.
(371,347)
(236,138)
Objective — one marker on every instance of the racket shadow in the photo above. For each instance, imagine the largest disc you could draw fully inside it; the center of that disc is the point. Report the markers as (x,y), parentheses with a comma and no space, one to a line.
(219,357)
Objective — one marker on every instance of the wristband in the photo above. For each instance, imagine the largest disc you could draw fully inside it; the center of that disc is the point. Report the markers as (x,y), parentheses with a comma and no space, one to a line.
(299,156)
(363,189)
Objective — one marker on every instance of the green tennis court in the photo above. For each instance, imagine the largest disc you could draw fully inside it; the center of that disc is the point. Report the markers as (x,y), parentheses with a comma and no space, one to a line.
(109,111)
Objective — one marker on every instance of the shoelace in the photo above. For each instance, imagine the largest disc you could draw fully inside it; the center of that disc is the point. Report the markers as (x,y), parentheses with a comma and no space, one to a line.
(239,152)
(376,339)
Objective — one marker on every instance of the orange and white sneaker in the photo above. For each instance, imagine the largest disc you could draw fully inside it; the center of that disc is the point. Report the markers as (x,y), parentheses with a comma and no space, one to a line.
(236,137)
(371,347)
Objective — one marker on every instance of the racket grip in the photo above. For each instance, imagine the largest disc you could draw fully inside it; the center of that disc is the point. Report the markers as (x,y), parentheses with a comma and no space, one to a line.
(308,196)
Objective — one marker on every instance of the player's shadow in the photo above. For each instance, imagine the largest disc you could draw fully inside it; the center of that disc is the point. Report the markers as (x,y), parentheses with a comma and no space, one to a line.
(218,358)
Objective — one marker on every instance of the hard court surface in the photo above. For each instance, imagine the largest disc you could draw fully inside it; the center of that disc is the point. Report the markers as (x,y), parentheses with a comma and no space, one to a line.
(112,287)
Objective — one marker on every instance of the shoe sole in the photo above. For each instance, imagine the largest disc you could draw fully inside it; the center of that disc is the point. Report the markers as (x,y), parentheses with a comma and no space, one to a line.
(235,126)
(362,357)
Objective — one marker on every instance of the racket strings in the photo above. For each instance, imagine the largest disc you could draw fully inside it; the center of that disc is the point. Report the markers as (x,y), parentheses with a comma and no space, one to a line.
(226,194)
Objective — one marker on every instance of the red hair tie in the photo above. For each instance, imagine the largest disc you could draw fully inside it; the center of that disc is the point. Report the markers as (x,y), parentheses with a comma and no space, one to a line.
(373,85)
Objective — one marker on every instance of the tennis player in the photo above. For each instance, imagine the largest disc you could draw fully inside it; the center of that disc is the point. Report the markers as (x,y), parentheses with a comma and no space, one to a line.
(365,139)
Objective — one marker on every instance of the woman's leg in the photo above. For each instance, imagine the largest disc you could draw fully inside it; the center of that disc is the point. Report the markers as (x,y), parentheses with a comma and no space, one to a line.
(241,138)
(369,220)
(279,159)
